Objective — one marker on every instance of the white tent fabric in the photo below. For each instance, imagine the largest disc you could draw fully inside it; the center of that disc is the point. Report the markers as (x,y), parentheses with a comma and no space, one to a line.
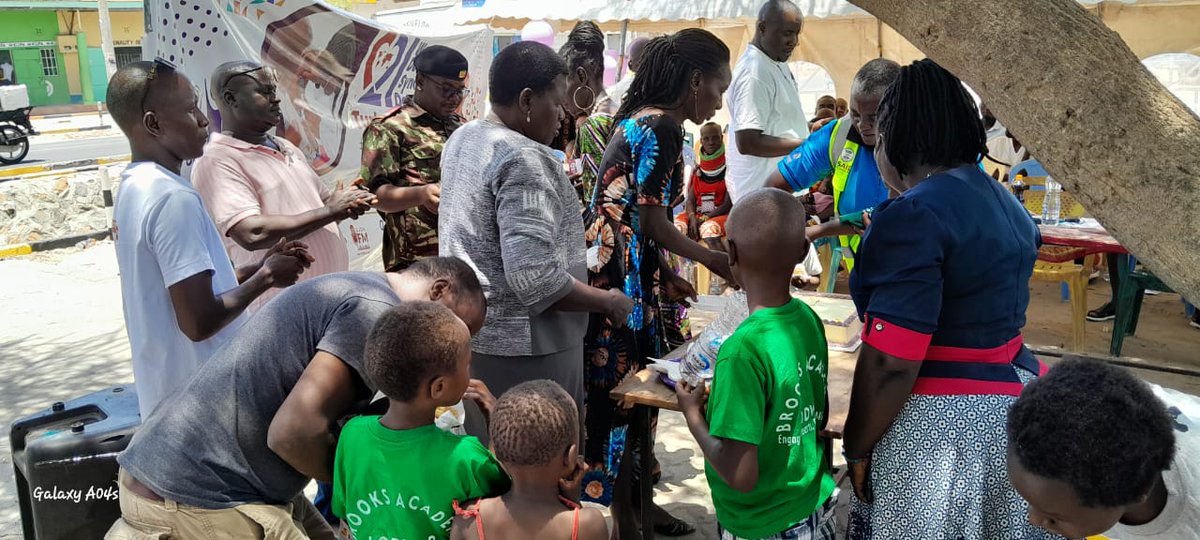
(838,38)
(663,10)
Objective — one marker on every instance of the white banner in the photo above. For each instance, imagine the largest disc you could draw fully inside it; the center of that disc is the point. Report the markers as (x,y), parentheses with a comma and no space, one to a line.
(336,72)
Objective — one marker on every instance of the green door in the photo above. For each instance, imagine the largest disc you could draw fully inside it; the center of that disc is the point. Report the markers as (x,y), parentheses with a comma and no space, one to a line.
(46,80)
(99,73)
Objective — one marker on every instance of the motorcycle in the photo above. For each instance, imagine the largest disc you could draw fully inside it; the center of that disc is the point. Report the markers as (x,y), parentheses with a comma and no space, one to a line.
(15,130)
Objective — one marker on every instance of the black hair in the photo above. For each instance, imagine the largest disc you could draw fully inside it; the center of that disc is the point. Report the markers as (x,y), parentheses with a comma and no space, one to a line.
(927,117)
(522,65)
(533,423)
(874,77)
(452,269)
(130,87)
(667,66)
(410,344)
(585,49)
(1097,428)
(225,73)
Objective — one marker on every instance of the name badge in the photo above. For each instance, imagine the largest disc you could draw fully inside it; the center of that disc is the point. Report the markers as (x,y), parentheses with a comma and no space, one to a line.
(847,154)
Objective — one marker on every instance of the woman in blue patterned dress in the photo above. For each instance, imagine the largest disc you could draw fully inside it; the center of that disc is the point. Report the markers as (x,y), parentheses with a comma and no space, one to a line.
(942,282)
(682,77)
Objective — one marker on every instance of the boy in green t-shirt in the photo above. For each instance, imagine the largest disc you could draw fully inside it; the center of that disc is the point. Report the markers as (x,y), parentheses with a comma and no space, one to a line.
(398,475)
(767,468)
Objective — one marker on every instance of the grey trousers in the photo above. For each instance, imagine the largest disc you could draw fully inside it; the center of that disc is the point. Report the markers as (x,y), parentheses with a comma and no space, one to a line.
(500,373)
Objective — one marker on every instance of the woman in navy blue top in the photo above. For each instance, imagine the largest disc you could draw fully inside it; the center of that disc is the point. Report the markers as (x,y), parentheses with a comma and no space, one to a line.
(942,283)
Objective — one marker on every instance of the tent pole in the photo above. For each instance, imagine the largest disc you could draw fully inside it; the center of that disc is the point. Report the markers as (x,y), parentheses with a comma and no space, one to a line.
(621,58)
(879,36)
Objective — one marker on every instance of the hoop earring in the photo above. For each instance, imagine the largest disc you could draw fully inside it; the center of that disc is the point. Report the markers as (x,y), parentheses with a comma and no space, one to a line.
(696,103)
(591,101)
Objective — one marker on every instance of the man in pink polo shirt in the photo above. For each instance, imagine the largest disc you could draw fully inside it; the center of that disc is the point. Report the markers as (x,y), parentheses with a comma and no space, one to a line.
(259,188)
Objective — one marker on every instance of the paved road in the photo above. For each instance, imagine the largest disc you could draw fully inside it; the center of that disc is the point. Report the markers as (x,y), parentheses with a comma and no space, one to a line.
(41,152)
(62,335)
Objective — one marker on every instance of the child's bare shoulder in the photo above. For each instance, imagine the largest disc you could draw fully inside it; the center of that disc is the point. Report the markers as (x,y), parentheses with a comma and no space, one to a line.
(592,525)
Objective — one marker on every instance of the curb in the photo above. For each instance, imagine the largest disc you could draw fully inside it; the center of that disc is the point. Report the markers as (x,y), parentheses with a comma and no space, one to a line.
(16,250)
(62,166)
(89,112)
(72,130)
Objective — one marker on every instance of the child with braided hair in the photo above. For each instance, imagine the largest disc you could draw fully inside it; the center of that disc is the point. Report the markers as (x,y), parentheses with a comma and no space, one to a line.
(535,435)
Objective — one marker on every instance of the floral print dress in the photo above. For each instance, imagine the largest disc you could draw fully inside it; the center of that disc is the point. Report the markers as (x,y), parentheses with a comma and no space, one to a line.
(641,166)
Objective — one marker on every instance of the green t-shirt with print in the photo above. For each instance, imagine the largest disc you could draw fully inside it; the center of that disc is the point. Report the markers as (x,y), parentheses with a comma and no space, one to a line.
(769,390)
(402,483)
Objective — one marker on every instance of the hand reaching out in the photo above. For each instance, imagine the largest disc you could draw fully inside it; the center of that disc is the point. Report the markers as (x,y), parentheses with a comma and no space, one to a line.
(478,392)
(350,203)
(677,289)
(619,307)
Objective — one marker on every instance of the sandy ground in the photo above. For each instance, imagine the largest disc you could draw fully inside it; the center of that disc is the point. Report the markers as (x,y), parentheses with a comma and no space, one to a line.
(62,336)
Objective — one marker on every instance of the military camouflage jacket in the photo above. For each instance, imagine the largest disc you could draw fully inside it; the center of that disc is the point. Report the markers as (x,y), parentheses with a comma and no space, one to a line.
(406,142)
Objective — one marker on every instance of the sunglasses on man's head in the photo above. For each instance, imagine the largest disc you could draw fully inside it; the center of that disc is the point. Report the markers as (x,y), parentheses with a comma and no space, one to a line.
(158,64)
(246,73)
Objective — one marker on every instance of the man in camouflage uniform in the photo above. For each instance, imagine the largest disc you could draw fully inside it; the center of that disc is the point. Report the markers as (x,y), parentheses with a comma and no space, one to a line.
(402,153)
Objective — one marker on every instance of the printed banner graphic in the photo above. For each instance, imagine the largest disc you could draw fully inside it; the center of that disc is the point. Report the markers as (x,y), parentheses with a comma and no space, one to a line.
(336,71)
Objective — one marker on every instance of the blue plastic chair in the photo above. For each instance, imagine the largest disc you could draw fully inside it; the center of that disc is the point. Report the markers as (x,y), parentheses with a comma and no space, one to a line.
(831,266)
(1029,167)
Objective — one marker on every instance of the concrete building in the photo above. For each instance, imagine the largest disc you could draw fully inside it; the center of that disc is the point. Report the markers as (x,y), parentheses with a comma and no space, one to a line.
(53,47)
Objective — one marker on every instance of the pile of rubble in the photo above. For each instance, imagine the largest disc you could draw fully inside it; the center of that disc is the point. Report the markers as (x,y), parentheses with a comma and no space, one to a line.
(49,207)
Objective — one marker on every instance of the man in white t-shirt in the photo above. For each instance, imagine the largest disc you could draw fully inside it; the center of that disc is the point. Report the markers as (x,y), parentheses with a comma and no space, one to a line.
(766,119)
(181,295)
(1096,451)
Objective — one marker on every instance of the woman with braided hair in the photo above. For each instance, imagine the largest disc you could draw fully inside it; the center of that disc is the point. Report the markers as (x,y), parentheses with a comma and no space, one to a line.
(584,133)
(942,283)
(682,78)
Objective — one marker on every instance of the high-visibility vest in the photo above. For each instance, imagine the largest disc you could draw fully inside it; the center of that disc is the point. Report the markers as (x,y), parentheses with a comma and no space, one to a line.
(842,153)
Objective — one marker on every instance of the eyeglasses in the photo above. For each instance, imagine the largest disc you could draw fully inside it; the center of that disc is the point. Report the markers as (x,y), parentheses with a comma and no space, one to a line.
(448,91)
(152,75)
(246,73)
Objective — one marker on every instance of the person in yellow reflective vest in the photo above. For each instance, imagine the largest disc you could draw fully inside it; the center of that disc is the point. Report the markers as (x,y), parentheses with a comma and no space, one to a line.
(842,151)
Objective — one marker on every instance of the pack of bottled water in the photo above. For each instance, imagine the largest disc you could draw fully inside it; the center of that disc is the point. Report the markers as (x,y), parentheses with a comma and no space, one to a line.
(701,357)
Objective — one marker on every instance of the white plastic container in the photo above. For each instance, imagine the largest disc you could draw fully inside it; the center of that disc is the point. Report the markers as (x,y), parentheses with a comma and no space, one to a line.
(13,97)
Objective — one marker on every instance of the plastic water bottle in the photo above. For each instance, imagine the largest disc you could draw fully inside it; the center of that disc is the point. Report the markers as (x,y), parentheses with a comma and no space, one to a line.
(1052,202)
(701,356)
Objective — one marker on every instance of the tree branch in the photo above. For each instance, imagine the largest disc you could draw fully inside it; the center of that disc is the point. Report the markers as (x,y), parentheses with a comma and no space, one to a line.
(1073,92)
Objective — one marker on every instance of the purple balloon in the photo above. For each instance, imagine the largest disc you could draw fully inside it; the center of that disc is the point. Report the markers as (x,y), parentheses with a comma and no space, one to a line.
(610,68)
(539,31)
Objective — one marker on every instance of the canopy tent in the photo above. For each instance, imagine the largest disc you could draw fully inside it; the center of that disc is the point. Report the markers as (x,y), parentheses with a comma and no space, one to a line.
(837,35)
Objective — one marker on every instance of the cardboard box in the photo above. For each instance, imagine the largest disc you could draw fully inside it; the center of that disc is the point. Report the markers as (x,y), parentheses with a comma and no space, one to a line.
(13,96)
(843,330)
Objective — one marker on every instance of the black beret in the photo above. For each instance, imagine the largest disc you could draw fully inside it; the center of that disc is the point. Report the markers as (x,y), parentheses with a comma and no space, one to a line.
(441,61)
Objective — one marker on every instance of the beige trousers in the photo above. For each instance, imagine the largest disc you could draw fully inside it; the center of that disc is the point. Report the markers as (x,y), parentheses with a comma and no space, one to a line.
(147,519)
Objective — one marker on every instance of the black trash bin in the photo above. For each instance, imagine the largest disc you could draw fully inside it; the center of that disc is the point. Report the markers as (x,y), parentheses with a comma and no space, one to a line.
(65,461)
